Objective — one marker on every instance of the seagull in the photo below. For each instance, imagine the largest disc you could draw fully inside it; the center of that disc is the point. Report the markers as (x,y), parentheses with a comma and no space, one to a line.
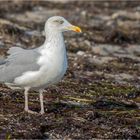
(40,67)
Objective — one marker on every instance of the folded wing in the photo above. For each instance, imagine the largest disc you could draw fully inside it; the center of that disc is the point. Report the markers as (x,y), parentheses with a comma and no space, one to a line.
(18,61)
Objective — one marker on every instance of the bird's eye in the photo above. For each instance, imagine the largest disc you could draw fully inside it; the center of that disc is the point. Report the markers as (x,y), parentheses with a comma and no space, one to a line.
(59,21)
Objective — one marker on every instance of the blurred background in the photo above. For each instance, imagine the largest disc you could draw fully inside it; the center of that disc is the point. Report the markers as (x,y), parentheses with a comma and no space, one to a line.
(99,96)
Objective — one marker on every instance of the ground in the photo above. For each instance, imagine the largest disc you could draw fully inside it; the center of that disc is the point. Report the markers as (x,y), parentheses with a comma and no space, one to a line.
(99,96)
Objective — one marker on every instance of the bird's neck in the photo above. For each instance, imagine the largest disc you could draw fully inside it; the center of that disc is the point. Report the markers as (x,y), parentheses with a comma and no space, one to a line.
(54,43)
(53,48)
(53,37)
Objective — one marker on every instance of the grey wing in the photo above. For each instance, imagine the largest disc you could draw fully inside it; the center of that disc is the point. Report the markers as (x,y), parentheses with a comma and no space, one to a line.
(18,62)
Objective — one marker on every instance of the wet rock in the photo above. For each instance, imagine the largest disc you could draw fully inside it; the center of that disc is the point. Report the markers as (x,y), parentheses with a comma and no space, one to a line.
(112,104)
(38,16)
(9,27)
(101,60)
(126,15)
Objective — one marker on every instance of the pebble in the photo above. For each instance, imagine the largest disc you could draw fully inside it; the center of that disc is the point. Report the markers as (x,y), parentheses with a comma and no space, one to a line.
(87,43)
(80,53)
(1,44)
(83,13)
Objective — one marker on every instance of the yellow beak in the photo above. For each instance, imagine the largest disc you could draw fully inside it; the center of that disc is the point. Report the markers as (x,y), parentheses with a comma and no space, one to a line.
(75,28)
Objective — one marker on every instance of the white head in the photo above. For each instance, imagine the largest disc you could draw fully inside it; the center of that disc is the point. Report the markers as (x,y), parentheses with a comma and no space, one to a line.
(59,24)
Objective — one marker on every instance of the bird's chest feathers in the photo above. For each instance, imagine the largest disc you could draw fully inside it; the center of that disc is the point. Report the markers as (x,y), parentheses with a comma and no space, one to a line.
(53,56)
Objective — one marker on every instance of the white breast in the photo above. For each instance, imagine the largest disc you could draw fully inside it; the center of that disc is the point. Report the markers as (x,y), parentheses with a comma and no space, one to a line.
(53,65)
